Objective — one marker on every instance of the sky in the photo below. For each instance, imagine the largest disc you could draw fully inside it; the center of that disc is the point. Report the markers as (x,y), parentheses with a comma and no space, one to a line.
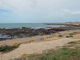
(39,11)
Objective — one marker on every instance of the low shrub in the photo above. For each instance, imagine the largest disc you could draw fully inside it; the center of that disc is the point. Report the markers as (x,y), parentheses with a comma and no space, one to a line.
(7,48)
(67,36)
(49,37)
(70,36)
(60,35)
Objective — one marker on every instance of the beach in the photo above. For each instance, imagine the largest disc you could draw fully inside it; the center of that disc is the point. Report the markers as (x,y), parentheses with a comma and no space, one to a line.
(31,41)
(39,30)
(9,42)
(37,46)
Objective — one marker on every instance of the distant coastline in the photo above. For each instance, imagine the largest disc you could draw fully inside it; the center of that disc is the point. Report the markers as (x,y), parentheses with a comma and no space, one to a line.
(77,24)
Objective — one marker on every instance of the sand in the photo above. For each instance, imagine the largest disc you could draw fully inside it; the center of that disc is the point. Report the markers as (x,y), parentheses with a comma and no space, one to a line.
(9,42)
(34,47)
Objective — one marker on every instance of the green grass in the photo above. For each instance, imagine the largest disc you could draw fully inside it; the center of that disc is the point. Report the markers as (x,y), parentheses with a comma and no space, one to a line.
(71,34)
(67,36)
(72,42)
(49,37)
(7,48)
(60,35)
(66,53)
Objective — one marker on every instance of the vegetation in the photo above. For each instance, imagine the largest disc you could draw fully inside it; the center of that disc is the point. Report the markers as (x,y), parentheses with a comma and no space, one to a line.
(71,34)
(67,36)
(60,35)
(14,44)
(7,48)
(72,42)
(66,53)
(54,35)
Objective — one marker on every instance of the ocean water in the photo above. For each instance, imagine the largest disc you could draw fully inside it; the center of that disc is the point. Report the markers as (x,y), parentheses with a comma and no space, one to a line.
(29,25)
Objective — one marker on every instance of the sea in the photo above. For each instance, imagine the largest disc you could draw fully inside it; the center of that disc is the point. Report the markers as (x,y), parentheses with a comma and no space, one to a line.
(28,25)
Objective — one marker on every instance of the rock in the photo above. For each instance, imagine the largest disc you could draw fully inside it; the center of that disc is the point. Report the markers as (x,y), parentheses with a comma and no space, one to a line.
(58,47)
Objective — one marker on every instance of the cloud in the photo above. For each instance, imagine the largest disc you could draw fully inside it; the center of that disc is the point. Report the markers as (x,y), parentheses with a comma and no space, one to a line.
(65,10)
(40,9)
(75,13)
(26,6)
(18,6)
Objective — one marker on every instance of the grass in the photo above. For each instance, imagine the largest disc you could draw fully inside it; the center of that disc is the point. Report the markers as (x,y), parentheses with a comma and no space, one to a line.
(72,42)
(66,53)
(7,48)
(60,36)
(67,36)
(49,37)
(71,34)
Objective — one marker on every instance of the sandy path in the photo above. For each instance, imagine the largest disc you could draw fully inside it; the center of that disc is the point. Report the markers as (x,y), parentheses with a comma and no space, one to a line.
(35,48)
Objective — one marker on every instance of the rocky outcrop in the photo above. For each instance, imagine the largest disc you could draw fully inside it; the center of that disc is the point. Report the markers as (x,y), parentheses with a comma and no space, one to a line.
(27,32)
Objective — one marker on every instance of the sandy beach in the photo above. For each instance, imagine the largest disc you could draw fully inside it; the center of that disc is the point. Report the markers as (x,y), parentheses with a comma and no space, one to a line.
(35,47)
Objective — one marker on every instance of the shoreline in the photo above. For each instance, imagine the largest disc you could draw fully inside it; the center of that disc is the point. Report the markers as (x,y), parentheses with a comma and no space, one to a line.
(19,40)
(28,32)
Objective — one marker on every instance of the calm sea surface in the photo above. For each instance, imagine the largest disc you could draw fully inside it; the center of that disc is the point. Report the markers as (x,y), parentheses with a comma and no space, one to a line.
(20,25)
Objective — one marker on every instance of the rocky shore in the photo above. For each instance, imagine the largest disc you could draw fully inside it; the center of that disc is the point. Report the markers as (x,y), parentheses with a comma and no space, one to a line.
(25,32)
